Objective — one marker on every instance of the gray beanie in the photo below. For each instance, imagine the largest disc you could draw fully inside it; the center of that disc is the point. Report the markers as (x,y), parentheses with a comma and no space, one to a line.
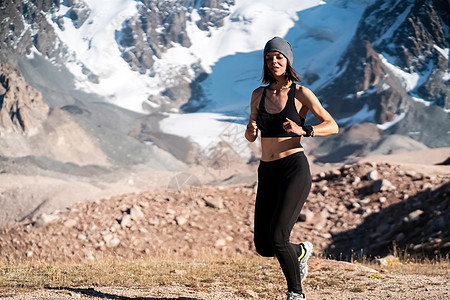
(280,45)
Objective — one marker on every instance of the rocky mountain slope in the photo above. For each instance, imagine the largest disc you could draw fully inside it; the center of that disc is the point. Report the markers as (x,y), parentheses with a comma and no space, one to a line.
(82,133)
(396,68)
(359,209)
(81,146)
(22,110)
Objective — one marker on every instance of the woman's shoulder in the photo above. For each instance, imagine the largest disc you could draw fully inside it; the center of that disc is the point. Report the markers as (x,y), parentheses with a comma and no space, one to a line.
(257,93)
(301,90)
(259,90)
(256,96)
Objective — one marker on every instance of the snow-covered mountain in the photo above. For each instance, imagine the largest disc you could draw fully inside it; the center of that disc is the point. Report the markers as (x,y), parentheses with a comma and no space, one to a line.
(197,61)
(129,52)
(112,34)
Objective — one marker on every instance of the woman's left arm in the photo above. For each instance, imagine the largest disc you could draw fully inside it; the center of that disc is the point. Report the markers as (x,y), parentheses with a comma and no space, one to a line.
(327,124)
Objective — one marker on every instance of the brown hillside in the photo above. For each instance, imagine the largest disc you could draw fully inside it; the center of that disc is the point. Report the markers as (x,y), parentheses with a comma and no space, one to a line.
(353,207)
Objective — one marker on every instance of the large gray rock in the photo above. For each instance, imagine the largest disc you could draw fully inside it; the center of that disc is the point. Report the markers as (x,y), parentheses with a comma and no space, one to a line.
(22,110)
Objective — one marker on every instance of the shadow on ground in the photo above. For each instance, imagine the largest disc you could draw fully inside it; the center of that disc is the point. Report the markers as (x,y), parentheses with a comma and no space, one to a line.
(91,292)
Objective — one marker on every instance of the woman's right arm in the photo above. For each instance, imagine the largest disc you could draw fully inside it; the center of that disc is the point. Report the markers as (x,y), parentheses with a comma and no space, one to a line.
(251,133)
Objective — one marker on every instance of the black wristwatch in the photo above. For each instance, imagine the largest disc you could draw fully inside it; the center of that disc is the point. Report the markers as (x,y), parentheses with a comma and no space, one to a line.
(308,130)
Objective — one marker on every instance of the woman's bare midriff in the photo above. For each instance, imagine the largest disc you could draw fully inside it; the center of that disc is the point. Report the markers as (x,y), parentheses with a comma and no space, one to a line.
(279,147)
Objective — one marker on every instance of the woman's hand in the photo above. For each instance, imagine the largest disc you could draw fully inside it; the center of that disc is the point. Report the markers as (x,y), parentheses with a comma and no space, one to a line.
(291,126)
(251,131)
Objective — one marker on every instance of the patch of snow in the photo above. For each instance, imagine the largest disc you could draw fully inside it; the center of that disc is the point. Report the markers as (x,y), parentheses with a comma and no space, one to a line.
(443,52)
(421,100)
(446,75)
(207,130)
(319,35)
(388,125)
(408,80)
(363,115)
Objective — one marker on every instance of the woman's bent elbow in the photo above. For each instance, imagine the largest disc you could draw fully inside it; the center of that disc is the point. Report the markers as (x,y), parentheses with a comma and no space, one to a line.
(336,128)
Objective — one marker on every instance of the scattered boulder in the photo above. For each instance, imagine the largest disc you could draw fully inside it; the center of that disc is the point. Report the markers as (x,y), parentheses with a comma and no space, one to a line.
(113,243)
(414,216)
(382,185)
(214,202)
(181,220)
(306,216)
(45,219)
(220,243)
(372,175)
(125,221)
(136,213)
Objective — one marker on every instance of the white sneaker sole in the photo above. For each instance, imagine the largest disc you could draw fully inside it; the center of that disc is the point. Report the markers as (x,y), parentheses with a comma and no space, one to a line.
(303,263)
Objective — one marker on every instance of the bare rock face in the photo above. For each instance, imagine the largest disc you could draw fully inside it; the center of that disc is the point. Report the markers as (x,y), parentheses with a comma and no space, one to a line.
(12,30)
(22,109)
(151,32)
(79,14)
(26,25)
(160,24)
(397,37)
(156,27)
(413,35)
(29,128)
(212,13)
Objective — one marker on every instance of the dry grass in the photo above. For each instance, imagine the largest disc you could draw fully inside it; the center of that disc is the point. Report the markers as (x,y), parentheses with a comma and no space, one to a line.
(423,267)
(256,274)
(197,274)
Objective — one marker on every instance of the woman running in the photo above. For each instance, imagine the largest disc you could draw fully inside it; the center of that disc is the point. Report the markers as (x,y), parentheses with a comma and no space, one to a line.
(279,111)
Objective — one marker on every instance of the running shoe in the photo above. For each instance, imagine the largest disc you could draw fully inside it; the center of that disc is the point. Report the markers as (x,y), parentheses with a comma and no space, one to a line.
(307,250)
(295,296)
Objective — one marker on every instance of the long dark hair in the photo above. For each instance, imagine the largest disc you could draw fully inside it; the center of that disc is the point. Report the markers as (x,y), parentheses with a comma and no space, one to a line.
(290,75)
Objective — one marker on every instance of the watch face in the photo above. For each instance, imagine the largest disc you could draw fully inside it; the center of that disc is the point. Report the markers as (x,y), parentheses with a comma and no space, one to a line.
(308,129)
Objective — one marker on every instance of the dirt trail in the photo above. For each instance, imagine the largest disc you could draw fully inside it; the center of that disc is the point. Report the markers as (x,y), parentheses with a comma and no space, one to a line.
(327,279)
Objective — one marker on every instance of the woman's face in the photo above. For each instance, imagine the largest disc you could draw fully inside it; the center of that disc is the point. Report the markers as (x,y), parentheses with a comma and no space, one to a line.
(276,63)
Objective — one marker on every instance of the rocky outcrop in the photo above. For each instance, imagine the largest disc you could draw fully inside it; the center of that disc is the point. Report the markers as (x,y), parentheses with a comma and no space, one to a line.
(155,29)
(413,36)
(22,110)
(28,127)
(415,224)
(13,35)
(159,24)
(26,26)
(213,12)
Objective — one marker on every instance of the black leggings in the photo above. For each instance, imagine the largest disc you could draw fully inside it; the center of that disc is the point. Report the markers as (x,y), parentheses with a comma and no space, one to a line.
(283,186)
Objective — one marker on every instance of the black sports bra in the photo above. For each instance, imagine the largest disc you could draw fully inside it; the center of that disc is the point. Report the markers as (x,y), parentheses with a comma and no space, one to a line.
(271,125)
